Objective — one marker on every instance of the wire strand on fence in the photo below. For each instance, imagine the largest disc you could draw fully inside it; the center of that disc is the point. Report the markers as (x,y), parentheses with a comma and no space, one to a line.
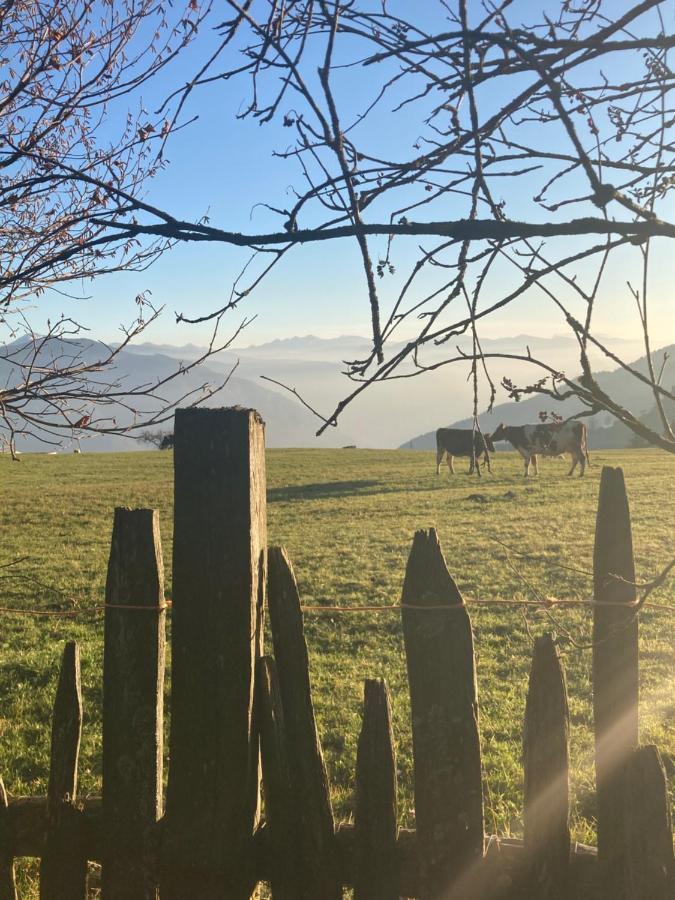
(73,613)
(100,609)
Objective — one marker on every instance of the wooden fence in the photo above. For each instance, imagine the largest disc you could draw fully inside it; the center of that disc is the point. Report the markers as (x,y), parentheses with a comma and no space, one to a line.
(232,706)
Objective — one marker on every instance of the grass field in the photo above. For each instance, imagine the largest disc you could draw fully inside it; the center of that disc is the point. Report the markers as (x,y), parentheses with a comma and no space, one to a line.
(347,519)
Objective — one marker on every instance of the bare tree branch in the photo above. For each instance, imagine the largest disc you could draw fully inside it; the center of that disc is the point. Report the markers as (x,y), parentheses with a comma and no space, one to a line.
(506,139)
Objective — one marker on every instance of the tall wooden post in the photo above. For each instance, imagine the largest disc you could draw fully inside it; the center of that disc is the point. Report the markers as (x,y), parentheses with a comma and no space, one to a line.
(133,705)
(219,574)
(317,873)
(63,870)
(546,759)
(280,806)
(615,674)
(649,865)
(7,881)
(444,707)
(375,816)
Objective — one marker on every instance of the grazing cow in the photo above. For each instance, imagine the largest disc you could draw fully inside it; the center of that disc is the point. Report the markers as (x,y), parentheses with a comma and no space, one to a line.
(463,442)
(547,440)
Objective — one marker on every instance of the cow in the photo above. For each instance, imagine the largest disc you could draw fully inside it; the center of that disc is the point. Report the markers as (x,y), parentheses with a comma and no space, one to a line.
(546,440)
(463,442)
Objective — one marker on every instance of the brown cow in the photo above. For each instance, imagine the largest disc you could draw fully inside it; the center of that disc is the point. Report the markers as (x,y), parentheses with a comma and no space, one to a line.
(463,442)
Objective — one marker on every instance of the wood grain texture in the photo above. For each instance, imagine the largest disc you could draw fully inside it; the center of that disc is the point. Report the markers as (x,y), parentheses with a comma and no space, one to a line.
(7,882)
(444,708)
(375,814)
(615,670)
(133,704)
(280,819)
(546,765)
(219,567)
(647,867)
(63,870)
(317,859)
(504,863)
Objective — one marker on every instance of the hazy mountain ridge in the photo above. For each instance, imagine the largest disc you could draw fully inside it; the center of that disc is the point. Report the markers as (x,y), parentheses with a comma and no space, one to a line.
(287,422)
(387,413)
(604,432)
(384,415)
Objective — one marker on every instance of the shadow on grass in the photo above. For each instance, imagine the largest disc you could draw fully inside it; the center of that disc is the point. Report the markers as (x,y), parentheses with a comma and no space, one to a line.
(321,490)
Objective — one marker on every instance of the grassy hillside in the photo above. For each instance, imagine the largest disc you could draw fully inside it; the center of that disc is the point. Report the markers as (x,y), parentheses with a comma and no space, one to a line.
(347,519)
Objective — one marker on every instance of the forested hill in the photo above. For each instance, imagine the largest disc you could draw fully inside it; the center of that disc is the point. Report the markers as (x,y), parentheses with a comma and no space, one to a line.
(604,432)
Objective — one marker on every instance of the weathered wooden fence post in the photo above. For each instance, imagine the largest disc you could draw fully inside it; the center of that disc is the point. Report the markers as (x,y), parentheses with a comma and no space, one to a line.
(7,883)
(279,803)
(133,704)
(444,706)
(219,569)
(63,870)
(316,858)
(648,867)
(615,674)
(546,764)
(375,816)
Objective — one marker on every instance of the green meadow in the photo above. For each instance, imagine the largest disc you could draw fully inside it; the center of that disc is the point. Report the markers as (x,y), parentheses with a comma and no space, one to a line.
(347,518)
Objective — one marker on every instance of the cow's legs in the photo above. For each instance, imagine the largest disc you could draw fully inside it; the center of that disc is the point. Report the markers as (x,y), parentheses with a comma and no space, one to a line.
(487,463)
(536,463)
(578,457)
(474,464)
(526,460)
(451,463)
(581,459)
(439,459)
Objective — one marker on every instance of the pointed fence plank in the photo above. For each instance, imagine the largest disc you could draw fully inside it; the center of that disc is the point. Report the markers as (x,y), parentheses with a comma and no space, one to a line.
(648,866)
(546,764)
(279,804)
(133,684)
(7,883)
(615,671)
(444,707)
(63,871)
(317,855)
(219,565)
(375,819)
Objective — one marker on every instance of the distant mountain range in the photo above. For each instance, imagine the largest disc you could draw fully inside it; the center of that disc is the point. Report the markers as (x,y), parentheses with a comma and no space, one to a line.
(388,413)
(287,422)
(384,415)
(604,431)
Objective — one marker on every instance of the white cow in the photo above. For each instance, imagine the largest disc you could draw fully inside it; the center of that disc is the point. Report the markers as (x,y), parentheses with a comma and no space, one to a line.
(546,440)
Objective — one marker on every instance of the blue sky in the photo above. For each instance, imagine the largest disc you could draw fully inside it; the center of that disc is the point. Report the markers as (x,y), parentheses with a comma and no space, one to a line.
(222,167)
